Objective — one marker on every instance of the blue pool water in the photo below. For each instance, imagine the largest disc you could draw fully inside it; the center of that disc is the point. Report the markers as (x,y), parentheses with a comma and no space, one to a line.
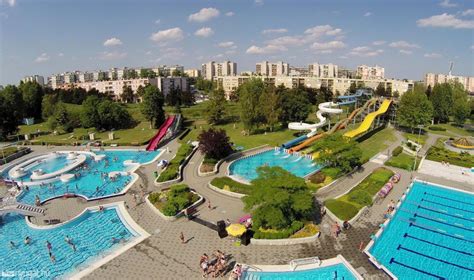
(338,271)
(49,165)
(431,236)
(91,233)
(90,183)
(246,168)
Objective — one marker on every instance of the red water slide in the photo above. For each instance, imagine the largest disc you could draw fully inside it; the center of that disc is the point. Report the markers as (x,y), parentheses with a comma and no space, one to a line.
(160,134)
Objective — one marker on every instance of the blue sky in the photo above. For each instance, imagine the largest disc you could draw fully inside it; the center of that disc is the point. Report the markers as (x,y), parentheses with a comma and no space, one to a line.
(408,38)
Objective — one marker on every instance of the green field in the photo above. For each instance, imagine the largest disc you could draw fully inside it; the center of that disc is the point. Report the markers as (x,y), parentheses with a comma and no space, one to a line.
(420,139)
(452,130)
(377,143)
(439,153)
(403,161)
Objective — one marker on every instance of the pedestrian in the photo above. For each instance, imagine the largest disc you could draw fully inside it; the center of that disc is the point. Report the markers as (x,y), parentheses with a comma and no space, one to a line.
(209,205)
(181,237)
(12,245)
(49,246)
(52,258)
(70,243)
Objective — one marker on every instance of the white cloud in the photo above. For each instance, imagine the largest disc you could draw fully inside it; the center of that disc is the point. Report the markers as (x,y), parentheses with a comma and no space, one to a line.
(158,21)
(10,3)
(228,44)
(468,12)
(447,4)
(60,54)
(42,58)
(404,45)
(259,2)
(408,52)
(268,49)
(432,55)
(204,14)
(320,30)
(229,14)
(204,32)
(148,53)
(365,51)
(378,43)
(288,41)
(368,14)
(472,47)
(169,54)
(274,31)
(168,35)
(331,45)
(112,42)
(445,20)
(112,55)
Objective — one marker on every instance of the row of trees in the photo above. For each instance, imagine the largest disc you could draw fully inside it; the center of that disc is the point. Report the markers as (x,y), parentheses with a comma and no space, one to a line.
(422,105)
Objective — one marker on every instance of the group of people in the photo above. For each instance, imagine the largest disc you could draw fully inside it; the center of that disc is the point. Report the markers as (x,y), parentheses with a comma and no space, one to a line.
(49,246)
(215,266)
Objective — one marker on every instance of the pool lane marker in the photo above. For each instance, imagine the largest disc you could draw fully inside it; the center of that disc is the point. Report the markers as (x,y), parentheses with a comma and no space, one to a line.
(433,258)
(435,244)
(445,205)
(442,222)
(442,233)
(392,260)
(448,198)
(455,215)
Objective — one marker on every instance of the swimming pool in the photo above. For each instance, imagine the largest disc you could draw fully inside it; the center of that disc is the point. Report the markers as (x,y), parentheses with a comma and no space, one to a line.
(94,181)
(91,233)
(246,168)
(337,271)
(431,235)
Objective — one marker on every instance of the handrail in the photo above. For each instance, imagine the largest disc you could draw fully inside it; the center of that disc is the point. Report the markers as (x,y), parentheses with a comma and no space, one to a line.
(253,267)
(311,260)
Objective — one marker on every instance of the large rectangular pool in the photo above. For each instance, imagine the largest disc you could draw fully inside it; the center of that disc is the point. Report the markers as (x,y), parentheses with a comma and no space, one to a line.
(431,235)
(337,271)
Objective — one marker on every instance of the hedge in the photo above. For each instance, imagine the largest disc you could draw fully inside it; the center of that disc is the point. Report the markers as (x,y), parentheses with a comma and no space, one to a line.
(398,150)
(172,170)
(279,234)
(226,183)
(436,128)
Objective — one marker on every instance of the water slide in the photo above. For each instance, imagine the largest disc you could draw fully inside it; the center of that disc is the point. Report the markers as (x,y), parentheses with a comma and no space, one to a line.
(369,119)
(160,134)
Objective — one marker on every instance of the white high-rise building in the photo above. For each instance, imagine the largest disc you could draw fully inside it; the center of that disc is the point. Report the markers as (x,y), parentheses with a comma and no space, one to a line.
(69,77)
(323,70)
(370,72)
(56,81)
(35,78)
(193,73)
(266,68)
(212,69)
(99,76)
(432,79)
(83,77)
(167,70)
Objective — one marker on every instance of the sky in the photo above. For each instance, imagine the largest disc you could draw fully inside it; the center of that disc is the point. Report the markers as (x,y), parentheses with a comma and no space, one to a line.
(409,38)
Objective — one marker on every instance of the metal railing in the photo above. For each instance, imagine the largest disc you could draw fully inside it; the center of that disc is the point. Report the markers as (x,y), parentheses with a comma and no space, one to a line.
(312,260)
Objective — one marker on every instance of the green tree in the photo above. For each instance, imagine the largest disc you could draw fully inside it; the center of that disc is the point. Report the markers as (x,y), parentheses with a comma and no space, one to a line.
(173,97)
(140,90)
(216,107)
(12,107)
(278,199)
(48,105)
(90,115)
(127,95)
(295,106)
(152,106)
(204,85)
(214,143)
(338,151)
(442,100)
(380,90)
(249,102)
(60,118)
(32,94)
(414,109)
(270,106)
(461,107)
(113,115)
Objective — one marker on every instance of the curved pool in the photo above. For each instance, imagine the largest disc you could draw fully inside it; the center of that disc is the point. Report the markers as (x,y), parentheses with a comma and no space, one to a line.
(246,168)
(91,233)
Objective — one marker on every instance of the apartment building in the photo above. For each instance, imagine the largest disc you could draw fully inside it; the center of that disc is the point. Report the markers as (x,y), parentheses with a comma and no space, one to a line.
(114,88)
(370,72)
(34,78)
(99,75)
(346,73)
(193,73)
(323,70)
(212,69)
(56,81)
(69,77)
(83,77)
(299,71)
(167,70)
(432,79)
(336,85)
(266,68)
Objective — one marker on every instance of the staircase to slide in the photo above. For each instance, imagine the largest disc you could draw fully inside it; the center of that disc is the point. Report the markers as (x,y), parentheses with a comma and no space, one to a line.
(160,134)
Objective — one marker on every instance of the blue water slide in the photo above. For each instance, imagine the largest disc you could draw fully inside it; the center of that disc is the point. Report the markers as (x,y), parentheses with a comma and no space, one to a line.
(294,142)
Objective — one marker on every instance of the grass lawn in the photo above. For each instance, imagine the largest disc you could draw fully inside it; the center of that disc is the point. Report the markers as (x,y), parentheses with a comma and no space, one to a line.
(8,151)
(377,143)
(451,130)
(403,161)
(439,153)
(348,205)
(414,137)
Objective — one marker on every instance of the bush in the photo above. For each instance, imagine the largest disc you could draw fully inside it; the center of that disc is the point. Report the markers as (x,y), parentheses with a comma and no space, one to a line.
(332,172)
(317,178)
(178,197)
(409,144)
(172,170)
(234,186)
(278,234)
(398,150)
(436,128)
(343,210)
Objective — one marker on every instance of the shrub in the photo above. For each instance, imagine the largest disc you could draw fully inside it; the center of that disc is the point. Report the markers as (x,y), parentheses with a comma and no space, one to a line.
(172,170)
(398,150)
(178,197)
(278,234)
(409,144)
(317,178)
(436,128)
(332,172)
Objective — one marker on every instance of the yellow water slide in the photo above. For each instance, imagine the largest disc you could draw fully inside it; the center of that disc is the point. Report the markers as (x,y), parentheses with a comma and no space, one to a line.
(369,119)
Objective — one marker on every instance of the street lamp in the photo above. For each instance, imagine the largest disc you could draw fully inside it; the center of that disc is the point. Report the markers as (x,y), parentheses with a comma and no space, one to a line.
(418,140)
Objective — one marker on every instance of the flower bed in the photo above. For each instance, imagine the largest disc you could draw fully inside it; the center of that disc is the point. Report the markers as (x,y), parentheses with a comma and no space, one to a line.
(173,200)
(347,206)
(278,234)
(439,153)
(308,230)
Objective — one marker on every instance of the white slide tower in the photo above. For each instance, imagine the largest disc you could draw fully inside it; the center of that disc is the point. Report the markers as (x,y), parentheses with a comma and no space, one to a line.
(325,107)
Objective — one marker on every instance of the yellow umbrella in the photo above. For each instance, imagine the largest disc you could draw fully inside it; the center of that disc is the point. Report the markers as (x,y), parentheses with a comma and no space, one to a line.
(236,229)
